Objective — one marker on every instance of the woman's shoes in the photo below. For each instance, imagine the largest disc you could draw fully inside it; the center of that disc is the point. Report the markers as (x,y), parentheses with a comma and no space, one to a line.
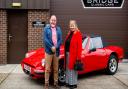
(66,84)
(71,86)
(75,86)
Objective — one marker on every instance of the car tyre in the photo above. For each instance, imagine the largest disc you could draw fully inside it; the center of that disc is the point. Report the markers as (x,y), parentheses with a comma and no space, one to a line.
(112,65)
(62,76)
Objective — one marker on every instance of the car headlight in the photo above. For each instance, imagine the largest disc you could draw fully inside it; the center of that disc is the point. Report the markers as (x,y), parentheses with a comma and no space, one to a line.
(26,55)
(29,54)
(43,62)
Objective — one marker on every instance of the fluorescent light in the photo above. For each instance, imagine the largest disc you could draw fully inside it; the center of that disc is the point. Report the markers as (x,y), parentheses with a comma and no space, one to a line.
(16,4)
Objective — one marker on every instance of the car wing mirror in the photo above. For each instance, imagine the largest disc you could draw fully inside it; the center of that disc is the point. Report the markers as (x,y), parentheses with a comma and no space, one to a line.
(92,50)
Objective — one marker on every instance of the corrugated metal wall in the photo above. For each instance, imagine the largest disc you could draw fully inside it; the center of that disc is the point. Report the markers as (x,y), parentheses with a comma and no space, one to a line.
(111,24)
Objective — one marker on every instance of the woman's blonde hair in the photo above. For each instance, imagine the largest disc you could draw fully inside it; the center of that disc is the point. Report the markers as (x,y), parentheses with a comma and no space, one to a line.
(75,23)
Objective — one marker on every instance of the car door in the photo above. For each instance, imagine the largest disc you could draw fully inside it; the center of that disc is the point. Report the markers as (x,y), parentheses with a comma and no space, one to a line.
(100,53)
(93,58)
(100,58)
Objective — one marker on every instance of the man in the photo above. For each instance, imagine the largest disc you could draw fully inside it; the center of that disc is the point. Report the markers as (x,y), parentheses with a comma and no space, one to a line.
(52,42)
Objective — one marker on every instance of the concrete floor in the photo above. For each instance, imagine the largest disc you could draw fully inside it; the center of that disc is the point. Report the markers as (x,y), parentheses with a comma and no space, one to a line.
(12,77)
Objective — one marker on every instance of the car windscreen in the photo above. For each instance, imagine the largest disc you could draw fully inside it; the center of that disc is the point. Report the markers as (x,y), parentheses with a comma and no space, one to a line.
(97,42)
(84,42)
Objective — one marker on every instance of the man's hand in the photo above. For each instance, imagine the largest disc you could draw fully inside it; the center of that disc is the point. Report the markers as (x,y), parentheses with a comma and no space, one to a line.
(53,49)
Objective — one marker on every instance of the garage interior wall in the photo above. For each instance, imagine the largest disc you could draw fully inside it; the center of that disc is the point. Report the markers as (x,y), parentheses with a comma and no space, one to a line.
(111,24)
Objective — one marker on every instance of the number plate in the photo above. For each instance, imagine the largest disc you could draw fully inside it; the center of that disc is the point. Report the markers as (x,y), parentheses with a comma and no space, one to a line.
(26,67)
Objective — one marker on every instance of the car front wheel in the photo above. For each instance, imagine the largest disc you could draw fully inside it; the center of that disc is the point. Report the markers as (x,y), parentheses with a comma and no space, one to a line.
(112,65)
(61,77)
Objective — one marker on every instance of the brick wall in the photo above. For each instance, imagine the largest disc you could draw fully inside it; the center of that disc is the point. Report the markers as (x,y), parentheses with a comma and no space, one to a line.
(35,33)
(3,37)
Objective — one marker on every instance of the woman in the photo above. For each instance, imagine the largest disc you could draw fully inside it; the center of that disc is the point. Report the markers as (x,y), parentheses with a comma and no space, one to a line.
(73,48)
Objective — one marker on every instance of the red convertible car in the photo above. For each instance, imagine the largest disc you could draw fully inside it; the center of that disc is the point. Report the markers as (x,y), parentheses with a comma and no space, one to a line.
(94,55)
